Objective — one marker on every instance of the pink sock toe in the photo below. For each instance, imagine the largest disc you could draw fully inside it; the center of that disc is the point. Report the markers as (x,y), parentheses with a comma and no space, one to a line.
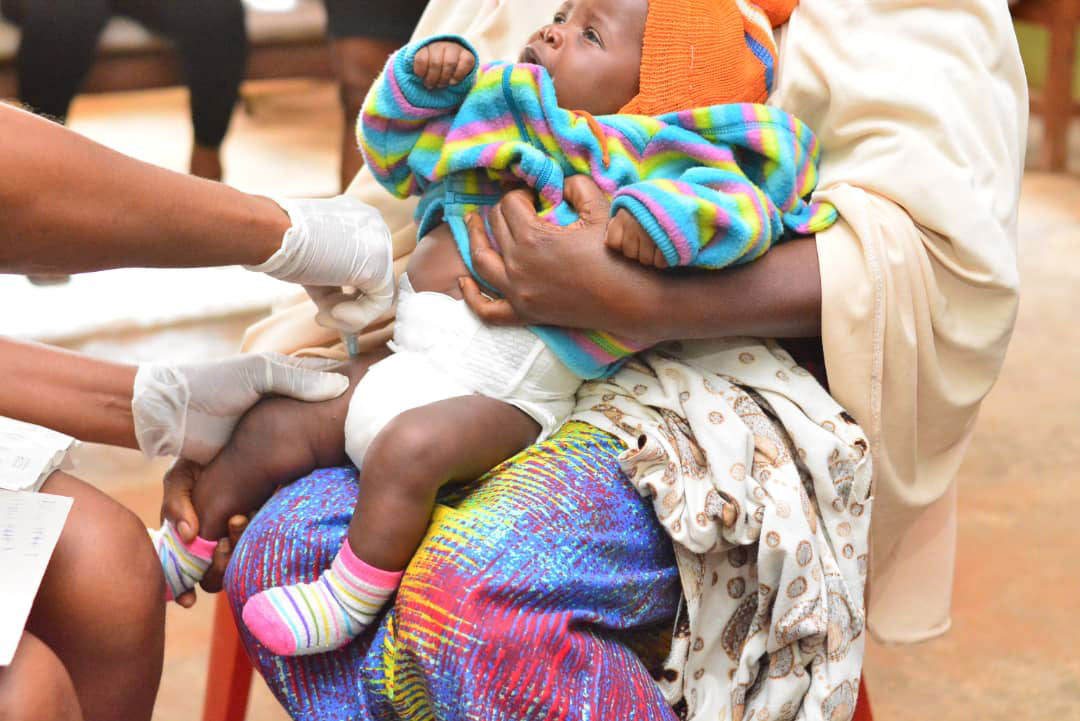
(267,626)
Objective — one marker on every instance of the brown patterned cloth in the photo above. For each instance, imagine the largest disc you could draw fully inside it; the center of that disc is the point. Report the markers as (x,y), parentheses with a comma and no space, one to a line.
(763,482)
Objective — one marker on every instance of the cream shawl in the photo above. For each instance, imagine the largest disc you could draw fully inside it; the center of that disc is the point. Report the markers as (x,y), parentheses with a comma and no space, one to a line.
(922,114)
(762,481)
(921,109)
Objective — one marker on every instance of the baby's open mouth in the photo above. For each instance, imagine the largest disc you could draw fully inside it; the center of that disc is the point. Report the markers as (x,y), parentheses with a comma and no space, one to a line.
(528,55)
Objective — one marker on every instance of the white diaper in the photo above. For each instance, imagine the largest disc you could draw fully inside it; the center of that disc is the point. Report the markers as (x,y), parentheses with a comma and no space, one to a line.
(443,350)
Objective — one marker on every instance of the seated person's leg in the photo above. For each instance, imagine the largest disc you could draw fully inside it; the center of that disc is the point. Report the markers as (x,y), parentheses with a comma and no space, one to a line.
(540,575)
(57,43)
(99,605)
(557,540)
(363,33)
(36,686)
(211,42)
(357,61)
(419,451)
(278,440)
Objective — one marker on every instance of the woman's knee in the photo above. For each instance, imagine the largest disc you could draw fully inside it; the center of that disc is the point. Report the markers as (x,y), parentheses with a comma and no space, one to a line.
(36,686)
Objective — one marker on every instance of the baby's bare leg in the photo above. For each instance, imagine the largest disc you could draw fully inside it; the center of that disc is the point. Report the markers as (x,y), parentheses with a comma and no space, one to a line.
(417,453)
(277,441)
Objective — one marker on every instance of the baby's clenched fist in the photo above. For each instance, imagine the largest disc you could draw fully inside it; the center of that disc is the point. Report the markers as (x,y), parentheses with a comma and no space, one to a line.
(443,63)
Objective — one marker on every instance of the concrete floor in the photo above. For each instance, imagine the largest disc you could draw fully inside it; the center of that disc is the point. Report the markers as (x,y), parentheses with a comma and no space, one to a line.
(1012,651)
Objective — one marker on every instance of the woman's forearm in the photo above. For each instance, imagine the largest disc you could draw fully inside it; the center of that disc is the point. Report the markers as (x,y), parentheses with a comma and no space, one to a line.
(566,276)
(58,186)
(776,296)
(83,397)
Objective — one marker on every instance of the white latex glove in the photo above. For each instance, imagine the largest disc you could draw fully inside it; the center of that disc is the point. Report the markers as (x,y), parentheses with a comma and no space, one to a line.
(347,309)
(190,410)
(339,249)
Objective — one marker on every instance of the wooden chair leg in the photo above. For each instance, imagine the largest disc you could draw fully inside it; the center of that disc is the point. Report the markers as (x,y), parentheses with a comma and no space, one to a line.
(1057,95)
(228,675)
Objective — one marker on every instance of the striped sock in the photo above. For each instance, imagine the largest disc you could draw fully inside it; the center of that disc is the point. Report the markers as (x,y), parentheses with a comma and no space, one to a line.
(307,618)
(184,564)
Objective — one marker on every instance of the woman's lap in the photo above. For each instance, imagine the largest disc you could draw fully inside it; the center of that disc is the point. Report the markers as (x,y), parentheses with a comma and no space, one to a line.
(519,605)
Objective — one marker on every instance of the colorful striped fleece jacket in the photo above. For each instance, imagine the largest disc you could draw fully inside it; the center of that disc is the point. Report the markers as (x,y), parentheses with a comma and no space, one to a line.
(713,186)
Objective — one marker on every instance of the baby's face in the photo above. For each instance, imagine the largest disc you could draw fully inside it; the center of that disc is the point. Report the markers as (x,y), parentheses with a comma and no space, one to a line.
(592,50)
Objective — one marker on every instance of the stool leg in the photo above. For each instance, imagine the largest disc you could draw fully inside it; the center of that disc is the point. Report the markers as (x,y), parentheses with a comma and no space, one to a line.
(862,706)
(228,675)
(1057,95)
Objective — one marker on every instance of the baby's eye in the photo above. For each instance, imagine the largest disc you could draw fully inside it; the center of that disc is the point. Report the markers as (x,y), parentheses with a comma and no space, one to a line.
(592,36)
(559,19)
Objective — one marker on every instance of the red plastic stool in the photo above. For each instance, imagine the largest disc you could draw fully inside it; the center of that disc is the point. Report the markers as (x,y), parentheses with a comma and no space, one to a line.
(862,706)
(228,675)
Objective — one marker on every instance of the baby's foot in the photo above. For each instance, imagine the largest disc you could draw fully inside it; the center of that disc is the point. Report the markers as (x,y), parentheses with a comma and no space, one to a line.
(183,564)
(308,618)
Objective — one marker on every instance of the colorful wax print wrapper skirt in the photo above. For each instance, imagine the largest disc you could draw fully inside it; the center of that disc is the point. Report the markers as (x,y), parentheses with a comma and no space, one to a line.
(545,590)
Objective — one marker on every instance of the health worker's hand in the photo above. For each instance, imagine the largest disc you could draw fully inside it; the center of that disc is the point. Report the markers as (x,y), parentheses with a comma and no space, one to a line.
(340,250)
(190,410)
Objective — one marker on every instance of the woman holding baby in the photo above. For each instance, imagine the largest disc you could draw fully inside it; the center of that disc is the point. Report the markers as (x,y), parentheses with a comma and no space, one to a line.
(546,588)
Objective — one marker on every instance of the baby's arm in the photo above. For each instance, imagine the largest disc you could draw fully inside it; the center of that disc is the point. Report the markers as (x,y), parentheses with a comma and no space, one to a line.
(443,63)
(708,218)
(423,83)
(737,183)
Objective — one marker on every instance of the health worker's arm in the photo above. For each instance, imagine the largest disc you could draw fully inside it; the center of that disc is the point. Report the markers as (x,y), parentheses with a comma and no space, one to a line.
(187,409)
(71,205)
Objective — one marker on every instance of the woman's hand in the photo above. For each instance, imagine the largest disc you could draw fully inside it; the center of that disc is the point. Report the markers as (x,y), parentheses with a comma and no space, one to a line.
(568,277)
(551,275)
(176,506)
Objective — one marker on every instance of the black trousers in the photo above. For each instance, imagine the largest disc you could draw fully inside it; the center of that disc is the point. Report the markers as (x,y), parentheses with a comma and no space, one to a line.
(393,20)
(59,40)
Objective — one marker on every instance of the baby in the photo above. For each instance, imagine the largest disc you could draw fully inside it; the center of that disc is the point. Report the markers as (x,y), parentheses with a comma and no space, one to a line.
(709,184)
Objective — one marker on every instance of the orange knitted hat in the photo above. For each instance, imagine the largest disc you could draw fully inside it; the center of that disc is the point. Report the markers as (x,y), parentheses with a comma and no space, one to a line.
(707,52)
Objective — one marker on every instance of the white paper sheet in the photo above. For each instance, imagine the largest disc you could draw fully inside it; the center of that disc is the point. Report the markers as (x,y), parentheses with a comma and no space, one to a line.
(30,525)
(29,453)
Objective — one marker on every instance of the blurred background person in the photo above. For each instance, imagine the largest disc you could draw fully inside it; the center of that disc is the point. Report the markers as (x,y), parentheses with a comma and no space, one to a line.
(362,34)
(59,39)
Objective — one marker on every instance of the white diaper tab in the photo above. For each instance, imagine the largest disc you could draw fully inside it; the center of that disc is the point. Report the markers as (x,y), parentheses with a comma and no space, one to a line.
(443,350)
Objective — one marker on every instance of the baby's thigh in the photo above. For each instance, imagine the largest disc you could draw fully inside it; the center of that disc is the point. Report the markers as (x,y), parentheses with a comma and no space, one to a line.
(400,383)
(456,439)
